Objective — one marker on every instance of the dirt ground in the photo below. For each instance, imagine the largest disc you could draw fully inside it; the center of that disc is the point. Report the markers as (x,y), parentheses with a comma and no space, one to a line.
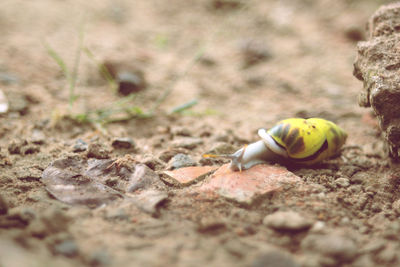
(247,64)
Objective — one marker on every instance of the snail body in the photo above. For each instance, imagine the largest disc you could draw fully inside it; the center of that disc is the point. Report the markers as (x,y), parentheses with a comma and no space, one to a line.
(296,141)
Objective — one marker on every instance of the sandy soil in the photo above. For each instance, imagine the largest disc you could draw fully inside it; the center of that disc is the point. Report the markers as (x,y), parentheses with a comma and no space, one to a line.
(260,61)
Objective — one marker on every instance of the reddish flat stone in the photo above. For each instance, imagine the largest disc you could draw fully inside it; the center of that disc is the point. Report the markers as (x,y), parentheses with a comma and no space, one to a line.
(246,186)
(188,175)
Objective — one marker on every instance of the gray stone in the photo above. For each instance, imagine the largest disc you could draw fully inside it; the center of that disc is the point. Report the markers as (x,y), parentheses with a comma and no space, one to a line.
(3,205)
(338,247)
(68,248)
(123,142)
(287,221)
(98,151)
(80,146)
(38,137)
(187,142)
(274,258)
(342,182)
(180,160)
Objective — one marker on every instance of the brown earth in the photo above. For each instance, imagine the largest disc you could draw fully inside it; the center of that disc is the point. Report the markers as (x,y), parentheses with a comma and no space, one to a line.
(248,64)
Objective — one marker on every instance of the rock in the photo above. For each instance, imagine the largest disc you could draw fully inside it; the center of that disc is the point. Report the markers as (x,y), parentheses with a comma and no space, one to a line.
(130,78)
(123,142)
(254,51)
(221,148)
(248,186)
(150,200)
(38,137)
(166,155)
(80,146)
(186,142)
(287,221)
(51,221)
(377,66)
(3,103)
(181,131)
(187,176)
(211,225)
(98,151)
(3,205)
(396,206)
(337,247)
(30,149)
(18,103)
(143,178)
(67,248)
(99,258)
(274,258)
(342,182)
(15,146)
(179,161)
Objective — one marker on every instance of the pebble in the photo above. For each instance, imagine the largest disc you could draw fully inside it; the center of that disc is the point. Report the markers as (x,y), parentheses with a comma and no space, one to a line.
(179,161)
(67,248)
(15,146)
(254,51)
(3,102)
(150,200)
(396,206)
(99,258)
(337,247)
(123,142)
(186,142)
(274,258)
(30,149)
(211,225)
(181,131)
(80,146)
(166,155)
(129,77)
(287,221)
(142,178)
(342,182)
(222,148)
(38,137)
(3,205)
(98,151)
(18,103)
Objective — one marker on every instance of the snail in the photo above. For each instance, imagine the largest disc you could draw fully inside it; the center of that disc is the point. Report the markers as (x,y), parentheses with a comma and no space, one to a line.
(296,141)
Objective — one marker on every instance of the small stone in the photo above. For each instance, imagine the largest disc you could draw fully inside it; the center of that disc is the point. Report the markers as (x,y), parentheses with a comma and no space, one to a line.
(287,221)
(180,160)
(181,131)
(342,182)
(28,174)
(98,151)
(99,258)
(30,149)
(187,142)
(123,142)
(18,103)
(150,200)
(221,148)
(67,248)
(80,146)
(211,225)
(142,178)
(340,248)
(396,206)
(129,77)
(169,154)
(187,176)
(3,205)
(254,51)
(3,102)
(38,137)
(153,163)
(249,185)
(274,258)
(15,146)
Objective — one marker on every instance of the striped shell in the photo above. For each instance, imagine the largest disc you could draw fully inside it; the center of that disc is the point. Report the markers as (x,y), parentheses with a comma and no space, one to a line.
(307,141)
